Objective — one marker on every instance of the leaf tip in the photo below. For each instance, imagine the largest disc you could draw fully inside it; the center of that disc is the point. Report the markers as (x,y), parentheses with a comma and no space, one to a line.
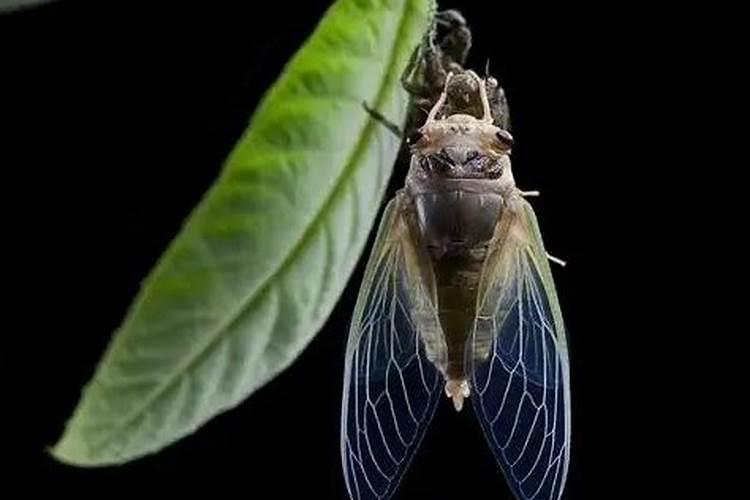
(68,451)
(71,449)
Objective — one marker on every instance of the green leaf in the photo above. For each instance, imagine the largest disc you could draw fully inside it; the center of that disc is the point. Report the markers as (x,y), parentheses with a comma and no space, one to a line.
(260,263)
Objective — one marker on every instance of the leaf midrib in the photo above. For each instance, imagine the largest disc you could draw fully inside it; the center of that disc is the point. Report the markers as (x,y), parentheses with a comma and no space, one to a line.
(263,287)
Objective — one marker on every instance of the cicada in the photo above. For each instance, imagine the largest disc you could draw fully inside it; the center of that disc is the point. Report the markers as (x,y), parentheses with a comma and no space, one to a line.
(457,303)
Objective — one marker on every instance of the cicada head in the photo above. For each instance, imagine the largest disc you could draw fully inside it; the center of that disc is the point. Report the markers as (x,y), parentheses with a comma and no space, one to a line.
(461,146)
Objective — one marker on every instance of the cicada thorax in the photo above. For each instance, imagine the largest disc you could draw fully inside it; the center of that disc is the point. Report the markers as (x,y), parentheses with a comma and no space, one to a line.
(456,217)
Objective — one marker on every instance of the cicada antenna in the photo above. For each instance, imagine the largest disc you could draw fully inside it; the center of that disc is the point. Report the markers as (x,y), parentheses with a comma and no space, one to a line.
(485,100)
(441,100)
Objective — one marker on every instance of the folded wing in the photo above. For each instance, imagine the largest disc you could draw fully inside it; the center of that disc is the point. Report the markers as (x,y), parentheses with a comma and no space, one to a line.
(519,361)
(391,386)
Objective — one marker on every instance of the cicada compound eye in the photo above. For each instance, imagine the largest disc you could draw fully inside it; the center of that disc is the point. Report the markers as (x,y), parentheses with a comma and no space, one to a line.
(505,139)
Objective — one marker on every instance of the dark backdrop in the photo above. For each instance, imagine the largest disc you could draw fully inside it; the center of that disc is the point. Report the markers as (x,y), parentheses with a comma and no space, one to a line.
(122,116)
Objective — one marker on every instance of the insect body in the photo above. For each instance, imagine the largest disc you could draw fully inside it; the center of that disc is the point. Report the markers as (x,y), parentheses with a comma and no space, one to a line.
(458,300)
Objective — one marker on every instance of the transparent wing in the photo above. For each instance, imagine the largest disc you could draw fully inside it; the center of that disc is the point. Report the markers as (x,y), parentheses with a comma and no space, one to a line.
(519,361)
(391,386)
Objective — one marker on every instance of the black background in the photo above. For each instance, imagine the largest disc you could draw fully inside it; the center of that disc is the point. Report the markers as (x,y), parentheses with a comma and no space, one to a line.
(122,115)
